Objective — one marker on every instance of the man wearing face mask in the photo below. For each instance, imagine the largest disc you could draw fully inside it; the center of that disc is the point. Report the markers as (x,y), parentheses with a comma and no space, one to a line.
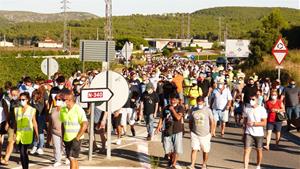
(201,124)
(149,107)
(172,134)
(255,119)
(291,95)
(14,102)
(249,90)
(27,86)
(57,89)
(221,99)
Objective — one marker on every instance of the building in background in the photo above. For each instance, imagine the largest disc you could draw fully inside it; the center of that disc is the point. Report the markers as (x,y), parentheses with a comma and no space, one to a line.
(49,43)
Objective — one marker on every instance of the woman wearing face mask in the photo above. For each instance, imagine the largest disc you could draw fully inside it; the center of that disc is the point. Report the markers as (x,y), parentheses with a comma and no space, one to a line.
(273,106)
(56,130)
(26,125)
(38,103)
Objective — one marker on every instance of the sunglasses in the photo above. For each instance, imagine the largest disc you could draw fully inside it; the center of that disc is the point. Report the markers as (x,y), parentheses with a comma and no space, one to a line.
(61,100)
(23,99)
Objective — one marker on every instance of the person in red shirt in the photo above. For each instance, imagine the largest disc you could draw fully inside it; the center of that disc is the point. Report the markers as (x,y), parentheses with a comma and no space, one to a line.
(274,105)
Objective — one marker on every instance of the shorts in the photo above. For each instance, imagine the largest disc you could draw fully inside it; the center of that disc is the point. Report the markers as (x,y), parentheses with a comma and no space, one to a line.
(72,148)
(2,128)
(220,115)
(173,143)
(274,126)
(200,143)
(128,115)
(10,133)
(249,139)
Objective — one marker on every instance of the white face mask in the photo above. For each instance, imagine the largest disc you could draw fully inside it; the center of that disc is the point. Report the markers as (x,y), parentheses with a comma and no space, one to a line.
(60,87)
(23,103)
(200,106)
(220,86)
(36,86)
(14,98)
(252,102)
(59,103)
(274,97)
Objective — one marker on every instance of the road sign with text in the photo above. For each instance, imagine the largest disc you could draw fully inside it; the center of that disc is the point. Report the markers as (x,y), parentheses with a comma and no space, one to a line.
(95,95)
(279,50)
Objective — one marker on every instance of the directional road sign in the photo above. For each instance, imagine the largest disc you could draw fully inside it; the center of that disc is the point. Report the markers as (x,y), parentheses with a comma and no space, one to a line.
(279,50)
(95,95)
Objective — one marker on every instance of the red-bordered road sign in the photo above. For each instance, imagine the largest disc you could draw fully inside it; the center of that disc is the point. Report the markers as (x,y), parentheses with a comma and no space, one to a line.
(279,50)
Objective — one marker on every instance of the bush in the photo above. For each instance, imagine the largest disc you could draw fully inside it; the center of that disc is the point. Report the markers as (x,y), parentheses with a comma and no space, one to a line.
(12,69)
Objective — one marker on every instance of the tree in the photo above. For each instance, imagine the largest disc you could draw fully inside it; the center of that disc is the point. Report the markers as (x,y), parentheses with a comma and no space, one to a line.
(263,39)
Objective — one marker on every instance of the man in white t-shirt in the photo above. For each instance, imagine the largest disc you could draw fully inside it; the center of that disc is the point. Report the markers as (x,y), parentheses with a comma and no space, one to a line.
(255,118)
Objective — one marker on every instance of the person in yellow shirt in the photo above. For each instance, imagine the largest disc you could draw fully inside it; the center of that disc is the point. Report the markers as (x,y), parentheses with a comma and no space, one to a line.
(25,125)
(195,91)
(74,124)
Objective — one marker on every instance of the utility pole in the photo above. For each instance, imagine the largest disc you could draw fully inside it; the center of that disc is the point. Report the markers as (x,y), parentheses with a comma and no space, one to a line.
(97,34)
(220,30)
(189,27)
(108,18)
(70,41)
(65,7)
(182,26)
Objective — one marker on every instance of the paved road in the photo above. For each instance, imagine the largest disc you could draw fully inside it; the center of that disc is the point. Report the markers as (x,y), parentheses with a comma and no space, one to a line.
(136,152)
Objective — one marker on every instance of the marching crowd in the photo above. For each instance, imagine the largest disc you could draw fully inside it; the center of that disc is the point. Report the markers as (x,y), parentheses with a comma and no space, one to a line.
(174,90)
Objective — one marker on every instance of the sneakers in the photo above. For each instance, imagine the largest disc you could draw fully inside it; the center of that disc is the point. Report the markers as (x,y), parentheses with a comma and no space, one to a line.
(56,164)
(119,142)
(67,161)
(33,151)
(149,138)
(258,167)
(40,151)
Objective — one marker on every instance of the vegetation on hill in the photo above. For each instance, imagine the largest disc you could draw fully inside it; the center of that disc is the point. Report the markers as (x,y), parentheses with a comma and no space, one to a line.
(204,24)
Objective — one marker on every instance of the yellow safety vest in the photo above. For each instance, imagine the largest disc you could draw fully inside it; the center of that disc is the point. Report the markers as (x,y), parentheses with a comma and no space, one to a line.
(187,83)
(195,92)
(24,125)
(69,118)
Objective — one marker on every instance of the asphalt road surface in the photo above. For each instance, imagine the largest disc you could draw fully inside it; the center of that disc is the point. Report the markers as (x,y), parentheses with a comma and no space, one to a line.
(136,152)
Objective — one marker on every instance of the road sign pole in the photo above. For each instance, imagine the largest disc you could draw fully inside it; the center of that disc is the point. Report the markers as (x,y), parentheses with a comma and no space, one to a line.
(48,67)
(91,131)
(108,107)
(279,73)
(126,46)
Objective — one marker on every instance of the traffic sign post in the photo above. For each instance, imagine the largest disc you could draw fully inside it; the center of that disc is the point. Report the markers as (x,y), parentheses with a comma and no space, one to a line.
(279,51)
(49,66)
(199,51)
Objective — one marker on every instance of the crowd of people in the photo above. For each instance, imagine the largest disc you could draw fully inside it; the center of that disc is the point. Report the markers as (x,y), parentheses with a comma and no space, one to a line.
(173,90)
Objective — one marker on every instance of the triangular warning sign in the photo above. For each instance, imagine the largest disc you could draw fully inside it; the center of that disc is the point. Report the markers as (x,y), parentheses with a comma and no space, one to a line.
(279,45)
(199,50)
(279,56)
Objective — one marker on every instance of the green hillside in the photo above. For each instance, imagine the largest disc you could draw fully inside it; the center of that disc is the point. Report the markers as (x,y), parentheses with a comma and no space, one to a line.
(204,24)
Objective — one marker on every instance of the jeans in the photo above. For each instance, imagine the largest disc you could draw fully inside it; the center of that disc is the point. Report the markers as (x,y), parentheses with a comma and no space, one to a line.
(149,119)
(24,155)
(293,112)
(41,142)
(58,147)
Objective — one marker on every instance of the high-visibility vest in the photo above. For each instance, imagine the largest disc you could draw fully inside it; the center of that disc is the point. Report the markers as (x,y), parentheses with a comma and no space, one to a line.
(24,125)
(187,83)
(70,122)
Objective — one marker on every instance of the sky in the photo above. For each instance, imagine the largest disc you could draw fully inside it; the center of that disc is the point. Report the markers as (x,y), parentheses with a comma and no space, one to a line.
(128,7)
